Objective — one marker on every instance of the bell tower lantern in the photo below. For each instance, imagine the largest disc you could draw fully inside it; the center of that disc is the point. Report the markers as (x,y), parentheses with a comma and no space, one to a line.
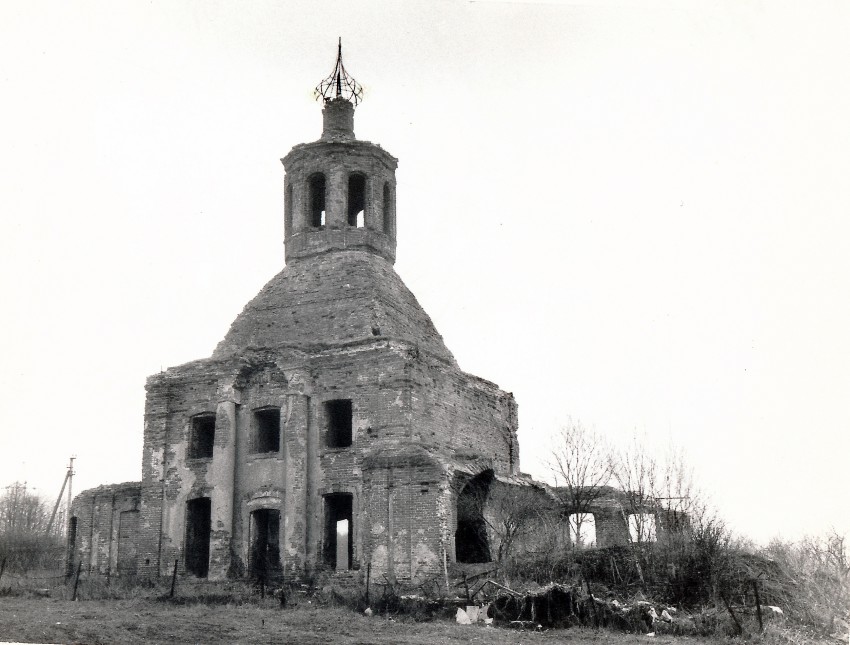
(339,191)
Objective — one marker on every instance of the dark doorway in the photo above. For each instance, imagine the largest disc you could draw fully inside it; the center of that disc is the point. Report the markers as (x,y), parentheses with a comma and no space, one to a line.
(128,530)
(471,544)
(265,543)
(339,531)
(198,525)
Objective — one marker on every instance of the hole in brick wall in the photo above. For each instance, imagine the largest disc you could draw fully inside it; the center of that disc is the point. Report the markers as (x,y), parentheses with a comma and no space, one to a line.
(356,199)
(316,204)
(582,529)
(642,527)
(338,548)
(265,542)
(198,525)
(203,436)
(471,544)
(266,430)
(387,209)
(339,417)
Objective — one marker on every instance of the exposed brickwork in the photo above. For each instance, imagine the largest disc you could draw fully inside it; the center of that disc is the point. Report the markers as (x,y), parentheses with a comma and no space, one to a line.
(336,324)
(98,512)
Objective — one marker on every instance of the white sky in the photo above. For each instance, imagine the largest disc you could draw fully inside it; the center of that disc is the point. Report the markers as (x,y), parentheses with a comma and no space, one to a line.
(631,213)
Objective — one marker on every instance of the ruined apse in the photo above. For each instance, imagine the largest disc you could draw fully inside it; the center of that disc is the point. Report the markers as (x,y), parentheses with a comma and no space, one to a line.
(331,428)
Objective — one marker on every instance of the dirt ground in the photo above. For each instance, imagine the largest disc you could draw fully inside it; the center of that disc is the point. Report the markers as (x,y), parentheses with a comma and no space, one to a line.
(48,620)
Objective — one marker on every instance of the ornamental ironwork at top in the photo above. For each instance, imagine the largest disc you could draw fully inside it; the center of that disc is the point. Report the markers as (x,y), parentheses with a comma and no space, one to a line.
(339,85)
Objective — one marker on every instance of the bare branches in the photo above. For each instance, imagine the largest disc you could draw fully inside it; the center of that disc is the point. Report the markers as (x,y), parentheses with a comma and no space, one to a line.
(581,465)
(23,512)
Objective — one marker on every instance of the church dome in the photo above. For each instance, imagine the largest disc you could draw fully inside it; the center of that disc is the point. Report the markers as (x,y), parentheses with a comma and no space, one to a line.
(333,298)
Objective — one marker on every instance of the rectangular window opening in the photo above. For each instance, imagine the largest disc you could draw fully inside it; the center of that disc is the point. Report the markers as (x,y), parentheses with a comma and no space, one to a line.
(202,437)
(339,416)
(642,527)
(339,539)
(266,430)
(582,530)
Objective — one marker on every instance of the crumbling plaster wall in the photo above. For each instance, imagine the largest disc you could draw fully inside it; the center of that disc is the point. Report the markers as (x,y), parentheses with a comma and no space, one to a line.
(390,385)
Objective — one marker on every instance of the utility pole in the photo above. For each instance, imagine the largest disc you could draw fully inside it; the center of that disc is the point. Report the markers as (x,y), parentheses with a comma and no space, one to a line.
(67,481)
(68,507)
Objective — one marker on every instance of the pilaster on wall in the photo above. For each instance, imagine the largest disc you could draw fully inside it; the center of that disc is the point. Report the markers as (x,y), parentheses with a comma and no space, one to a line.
(334,201)
(296,505)
(153,474)
(221,477)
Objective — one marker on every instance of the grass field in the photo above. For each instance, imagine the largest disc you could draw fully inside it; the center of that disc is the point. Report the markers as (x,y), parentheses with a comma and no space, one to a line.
(50,620)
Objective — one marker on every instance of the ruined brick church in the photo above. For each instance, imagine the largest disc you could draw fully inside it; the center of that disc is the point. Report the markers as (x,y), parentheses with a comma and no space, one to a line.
(330,427)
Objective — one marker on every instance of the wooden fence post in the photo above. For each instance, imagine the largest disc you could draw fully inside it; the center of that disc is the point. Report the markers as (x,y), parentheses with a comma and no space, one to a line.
(77,580)
(173,580)
(732,613)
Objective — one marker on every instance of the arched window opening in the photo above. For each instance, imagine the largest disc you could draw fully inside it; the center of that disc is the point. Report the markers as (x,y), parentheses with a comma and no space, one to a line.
(387,209)
(582,530)
(317,200)
(265,543)
(471,543)
(198,526)
(356,199)
(338,545)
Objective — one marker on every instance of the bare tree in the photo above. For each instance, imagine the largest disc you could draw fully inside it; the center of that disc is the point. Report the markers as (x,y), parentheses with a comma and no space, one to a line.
(22,512)
(581,465)
(638,474)
(24,520)
(519,518)
(497,519)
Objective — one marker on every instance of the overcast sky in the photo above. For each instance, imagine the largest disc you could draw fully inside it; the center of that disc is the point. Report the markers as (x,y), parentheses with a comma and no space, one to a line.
(628,213)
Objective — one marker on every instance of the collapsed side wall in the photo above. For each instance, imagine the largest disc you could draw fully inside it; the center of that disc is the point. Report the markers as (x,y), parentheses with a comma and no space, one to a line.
(105,535)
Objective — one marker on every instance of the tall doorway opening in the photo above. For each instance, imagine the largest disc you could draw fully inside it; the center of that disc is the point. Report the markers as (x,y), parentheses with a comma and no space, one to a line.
(265,543)
(471,543)
(198,525)
(339,539)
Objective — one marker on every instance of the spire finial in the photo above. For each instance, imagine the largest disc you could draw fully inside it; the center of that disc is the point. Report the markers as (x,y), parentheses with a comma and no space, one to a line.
(339,85)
